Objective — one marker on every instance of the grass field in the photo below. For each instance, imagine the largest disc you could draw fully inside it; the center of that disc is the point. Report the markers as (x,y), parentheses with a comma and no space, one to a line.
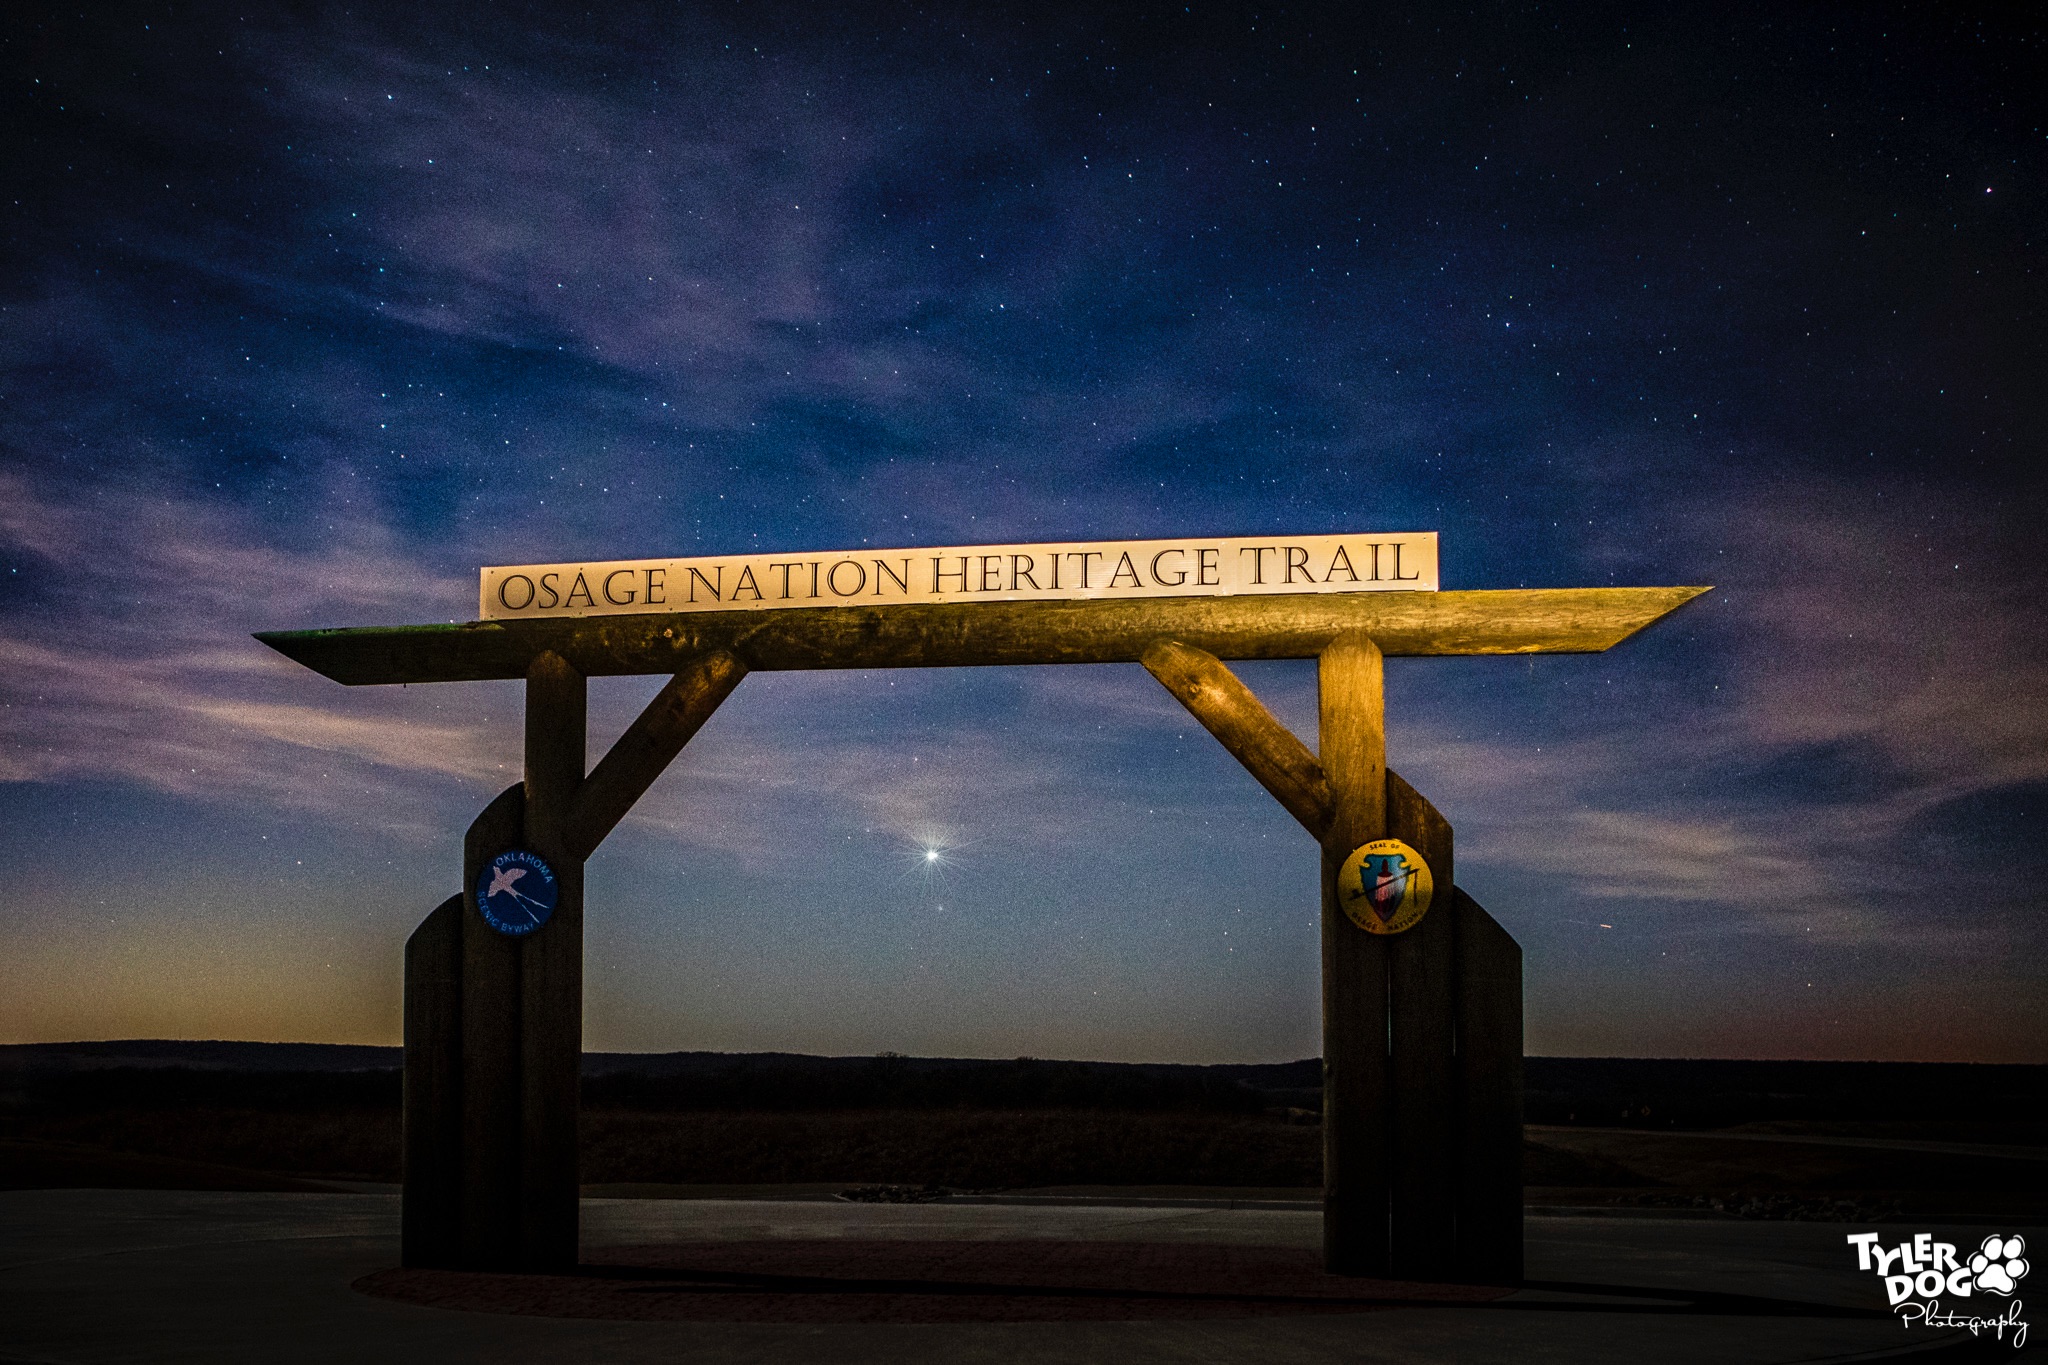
(705,1126)
(1808,1175)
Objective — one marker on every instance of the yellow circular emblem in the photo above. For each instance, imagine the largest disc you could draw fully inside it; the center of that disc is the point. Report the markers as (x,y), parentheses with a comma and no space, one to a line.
(1385,887)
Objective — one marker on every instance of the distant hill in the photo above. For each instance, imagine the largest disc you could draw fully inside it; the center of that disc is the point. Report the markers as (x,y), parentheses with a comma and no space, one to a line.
(154,1053)
(1604,1091)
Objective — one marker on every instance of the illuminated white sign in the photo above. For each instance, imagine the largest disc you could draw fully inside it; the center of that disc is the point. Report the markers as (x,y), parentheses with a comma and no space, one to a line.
(1098,570)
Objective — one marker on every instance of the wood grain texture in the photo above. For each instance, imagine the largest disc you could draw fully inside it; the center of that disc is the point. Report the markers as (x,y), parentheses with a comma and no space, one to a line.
(1357,1085)
(1520,621)
(557,720)
(431,1209)
(1352,739)
(492,1126)
(1489,972)
(551,972)
(1228,710)
(1422,1163)
(647,747)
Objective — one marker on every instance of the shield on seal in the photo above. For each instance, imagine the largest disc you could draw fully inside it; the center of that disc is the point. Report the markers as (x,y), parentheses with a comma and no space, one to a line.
(1383,881)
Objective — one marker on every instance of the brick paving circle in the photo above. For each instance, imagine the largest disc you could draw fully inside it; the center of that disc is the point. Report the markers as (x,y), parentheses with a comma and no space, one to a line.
(847,1280)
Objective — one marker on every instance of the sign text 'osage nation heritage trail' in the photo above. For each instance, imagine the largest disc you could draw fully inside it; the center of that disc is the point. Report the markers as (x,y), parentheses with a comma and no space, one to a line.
(1108,569)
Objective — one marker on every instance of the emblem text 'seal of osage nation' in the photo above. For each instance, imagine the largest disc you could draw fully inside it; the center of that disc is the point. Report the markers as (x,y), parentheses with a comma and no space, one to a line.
(516,892)
(1385,887)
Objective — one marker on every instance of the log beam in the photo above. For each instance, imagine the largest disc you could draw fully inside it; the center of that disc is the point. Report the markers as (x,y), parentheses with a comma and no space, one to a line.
(938,635)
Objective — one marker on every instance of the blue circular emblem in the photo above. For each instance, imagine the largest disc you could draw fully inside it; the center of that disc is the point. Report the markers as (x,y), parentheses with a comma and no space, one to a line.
(516,892)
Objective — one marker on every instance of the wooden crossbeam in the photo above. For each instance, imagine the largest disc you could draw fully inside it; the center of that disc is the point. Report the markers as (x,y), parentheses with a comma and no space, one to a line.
(926,635)
(647,747)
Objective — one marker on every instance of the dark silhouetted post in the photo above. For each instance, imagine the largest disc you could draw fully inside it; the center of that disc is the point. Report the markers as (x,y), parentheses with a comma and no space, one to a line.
(432,1210)
(1422,1163)
(1489,978)
(491,1119)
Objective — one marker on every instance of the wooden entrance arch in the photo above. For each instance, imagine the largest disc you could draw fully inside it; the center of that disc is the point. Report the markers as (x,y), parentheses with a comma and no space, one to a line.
(1422,1031)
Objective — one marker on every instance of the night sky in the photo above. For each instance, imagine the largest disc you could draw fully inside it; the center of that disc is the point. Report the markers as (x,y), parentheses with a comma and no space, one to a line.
(306,316)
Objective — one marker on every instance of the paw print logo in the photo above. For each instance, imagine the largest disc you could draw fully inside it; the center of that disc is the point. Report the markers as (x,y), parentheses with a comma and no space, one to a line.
(1998,1266)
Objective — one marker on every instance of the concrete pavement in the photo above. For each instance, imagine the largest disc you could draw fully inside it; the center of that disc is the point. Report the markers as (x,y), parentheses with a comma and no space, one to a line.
(222,1278)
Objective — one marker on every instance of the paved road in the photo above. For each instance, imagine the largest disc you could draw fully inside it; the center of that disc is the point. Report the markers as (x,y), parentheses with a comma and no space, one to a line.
(225,1278)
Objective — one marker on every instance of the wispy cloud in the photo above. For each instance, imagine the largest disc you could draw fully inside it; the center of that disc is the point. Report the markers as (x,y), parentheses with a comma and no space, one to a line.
(1846,634)
(137,665)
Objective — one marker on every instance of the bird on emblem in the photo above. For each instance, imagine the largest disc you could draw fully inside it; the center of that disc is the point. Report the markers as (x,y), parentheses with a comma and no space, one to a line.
(501,881)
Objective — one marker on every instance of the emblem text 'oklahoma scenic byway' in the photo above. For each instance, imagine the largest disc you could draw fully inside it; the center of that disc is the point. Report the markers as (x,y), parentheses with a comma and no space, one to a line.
(516,892)
(1367,562)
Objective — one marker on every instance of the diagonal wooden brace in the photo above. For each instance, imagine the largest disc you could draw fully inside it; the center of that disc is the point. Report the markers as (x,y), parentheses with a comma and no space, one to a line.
(1228,710)
(647,747)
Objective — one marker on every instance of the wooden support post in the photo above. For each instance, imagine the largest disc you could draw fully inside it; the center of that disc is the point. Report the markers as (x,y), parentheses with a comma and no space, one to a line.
(431,1220)
(494,1025)
(551,972)
(491,1119)
(1356,1081)
(1421,1165)
(1422,1041)
(1489,977)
